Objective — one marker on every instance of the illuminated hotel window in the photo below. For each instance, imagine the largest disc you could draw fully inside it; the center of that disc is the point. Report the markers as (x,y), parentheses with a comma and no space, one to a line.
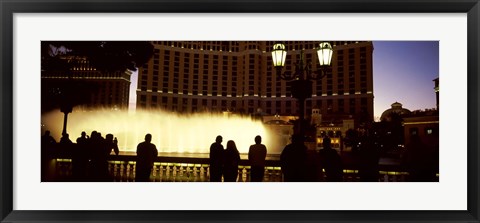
(429,131)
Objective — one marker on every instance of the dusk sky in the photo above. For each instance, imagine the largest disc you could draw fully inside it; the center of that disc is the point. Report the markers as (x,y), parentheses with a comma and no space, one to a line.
(403,71)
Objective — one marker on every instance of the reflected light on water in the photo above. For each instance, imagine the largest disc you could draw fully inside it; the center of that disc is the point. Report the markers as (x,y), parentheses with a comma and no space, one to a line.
(171,132)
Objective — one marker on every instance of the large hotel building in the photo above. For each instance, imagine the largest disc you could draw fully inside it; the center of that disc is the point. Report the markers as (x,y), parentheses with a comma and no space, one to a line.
(238,76)
(105,89)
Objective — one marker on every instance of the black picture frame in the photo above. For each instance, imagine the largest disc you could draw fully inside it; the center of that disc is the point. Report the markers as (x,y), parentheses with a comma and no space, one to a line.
(9,7)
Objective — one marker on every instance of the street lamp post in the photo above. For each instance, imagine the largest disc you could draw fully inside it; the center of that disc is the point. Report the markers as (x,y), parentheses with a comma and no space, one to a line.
(302,78)
(66,104)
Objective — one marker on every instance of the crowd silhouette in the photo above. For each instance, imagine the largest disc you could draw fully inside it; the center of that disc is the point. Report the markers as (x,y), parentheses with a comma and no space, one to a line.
(224,162)
(90,155)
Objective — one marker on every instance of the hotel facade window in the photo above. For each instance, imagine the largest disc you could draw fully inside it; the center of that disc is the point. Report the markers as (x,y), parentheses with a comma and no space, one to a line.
(241,74)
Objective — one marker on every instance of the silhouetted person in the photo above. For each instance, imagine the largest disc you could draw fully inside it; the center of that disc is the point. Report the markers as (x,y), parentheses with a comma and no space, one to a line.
(146,154)
(66,146)
(111,143)
(99,157)
(48,144)
(256,155)
(216,160)
(80,158)
(314,171)
(422,161)
(232,158)
(293,160)
(65,139)
(47,139)
(331,162)
(368,158)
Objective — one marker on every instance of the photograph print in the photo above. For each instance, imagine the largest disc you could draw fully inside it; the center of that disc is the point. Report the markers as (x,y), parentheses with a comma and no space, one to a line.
(239,111)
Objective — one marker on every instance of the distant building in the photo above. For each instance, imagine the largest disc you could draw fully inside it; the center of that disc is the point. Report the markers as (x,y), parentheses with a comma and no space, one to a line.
(92,88)
(333,126)
(424,123)
(395,110)
(238,76)
(437,91)
(427,127)
(399,124)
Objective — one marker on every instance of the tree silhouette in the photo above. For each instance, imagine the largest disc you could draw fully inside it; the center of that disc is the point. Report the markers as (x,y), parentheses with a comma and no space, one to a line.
(393,131)
(107,56)
(60,57)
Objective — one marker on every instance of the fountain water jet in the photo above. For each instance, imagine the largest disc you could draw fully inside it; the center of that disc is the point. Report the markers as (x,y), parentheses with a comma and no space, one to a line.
(171,132)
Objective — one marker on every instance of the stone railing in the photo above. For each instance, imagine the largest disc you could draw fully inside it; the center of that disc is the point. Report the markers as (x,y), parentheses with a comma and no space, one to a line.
(191,169)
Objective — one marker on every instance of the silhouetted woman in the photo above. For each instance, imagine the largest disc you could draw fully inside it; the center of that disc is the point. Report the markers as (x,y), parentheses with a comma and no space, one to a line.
(232,158)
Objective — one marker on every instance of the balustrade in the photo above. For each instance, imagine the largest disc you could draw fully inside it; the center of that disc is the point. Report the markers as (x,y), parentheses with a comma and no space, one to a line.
(181,169)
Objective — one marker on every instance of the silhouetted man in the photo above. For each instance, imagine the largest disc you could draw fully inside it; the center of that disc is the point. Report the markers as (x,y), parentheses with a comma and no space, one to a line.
(80,158)
(47,147)
(256,155)
(47,139)
(66,145)
(100,151)
(146,154)
(65,139)
(217,154)
(293,160)
(331,162)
